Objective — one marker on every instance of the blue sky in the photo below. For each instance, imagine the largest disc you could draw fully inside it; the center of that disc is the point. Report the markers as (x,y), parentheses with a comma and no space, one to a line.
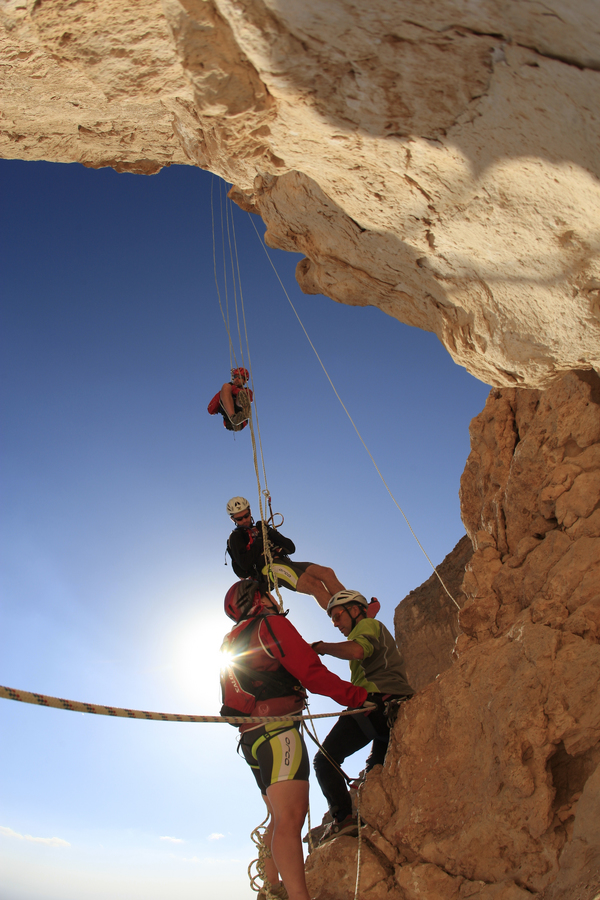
(113,486)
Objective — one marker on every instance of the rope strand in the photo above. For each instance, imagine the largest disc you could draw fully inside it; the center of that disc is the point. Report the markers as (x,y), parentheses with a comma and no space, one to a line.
(352,420)
(263,519)
(97,709)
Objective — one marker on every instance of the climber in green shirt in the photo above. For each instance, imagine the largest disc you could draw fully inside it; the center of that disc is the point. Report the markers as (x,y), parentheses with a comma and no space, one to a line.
(377,665)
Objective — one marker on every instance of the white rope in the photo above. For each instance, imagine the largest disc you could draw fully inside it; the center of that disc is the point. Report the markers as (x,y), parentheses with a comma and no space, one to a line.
(351,419)
(225,316)
(263,517)
(359,847)
(236,286)
(262,457)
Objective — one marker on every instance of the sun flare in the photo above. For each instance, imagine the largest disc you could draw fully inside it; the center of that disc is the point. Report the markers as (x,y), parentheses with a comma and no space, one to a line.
(197,659)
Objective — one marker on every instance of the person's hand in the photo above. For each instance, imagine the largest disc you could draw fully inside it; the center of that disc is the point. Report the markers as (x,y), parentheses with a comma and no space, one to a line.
(376,698)
(317,647)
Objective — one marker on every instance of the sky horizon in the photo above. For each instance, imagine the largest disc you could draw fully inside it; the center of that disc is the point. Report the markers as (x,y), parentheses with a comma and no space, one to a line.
(114,484)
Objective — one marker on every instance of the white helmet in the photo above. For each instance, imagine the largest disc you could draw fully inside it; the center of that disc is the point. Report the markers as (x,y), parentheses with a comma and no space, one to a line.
(344,598)
(237,505)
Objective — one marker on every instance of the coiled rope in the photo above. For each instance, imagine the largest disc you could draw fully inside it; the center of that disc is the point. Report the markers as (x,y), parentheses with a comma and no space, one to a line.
(257,838)
(350,417)
(98,709)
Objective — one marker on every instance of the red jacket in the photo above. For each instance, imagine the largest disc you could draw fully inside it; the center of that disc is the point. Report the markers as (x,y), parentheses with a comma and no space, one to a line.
(215,404)
(275,644)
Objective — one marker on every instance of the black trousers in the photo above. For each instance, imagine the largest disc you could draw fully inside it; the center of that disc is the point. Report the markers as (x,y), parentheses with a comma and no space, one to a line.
(349,734)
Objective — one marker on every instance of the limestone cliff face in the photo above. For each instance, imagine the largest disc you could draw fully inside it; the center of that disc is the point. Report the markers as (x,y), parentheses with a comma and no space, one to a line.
(437,159)
(491,787)
(530,497)
(426,622)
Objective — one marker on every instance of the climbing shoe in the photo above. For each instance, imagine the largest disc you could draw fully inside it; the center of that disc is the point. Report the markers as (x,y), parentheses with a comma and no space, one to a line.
(243,402)
(230,427)
(349,826)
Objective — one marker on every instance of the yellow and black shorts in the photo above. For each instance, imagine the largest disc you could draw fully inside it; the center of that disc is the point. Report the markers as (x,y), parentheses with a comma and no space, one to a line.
(275,752)
(288,571)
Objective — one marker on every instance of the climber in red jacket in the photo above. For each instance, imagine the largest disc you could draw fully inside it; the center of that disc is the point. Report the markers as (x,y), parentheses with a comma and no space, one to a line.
(269,665)
(233,401)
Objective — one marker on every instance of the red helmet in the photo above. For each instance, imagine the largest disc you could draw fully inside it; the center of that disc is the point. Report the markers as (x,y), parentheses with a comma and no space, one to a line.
(243,373)
(243,600)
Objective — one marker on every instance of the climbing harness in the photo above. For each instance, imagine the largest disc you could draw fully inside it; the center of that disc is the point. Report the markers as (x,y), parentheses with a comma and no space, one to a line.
(350,417)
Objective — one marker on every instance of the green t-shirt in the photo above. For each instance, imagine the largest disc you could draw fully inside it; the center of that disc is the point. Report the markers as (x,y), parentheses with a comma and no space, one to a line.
(382,669)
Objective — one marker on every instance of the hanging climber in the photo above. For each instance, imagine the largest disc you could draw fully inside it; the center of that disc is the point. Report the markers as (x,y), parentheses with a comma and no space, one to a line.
(377,665)
(269,666)
(245,546)
(233,401)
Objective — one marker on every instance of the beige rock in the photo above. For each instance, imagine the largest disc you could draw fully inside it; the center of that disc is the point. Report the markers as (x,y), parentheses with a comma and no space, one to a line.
(489,787)
(82,82)
(538,496)
(331,871)
(427,881)
(483,789)
(473,766)
(426,622)
(438,160)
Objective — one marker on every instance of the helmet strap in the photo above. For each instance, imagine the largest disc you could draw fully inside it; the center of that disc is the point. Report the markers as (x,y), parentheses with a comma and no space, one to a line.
(354,619)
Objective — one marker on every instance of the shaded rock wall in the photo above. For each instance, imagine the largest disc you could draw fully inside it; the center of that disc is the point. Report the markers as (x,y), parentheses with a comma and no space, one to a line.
(490,787)
(426,621)
(437,160)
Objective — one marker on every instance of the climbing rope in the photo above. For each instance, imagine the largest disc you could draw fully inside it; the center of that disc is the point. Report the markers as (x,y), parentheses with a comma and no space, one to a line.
(224,312)
(349,781)
(102,710)
(239,278)
(350,417)
(252,417)
(359,846)
(257,838)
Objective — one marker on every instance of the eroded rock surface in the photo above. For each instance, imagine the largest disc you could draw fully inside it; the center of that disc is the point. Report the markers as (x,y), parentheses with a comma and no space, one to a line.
(530,499)
(490,787)
(87,82)
(426,621)
(439,160)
